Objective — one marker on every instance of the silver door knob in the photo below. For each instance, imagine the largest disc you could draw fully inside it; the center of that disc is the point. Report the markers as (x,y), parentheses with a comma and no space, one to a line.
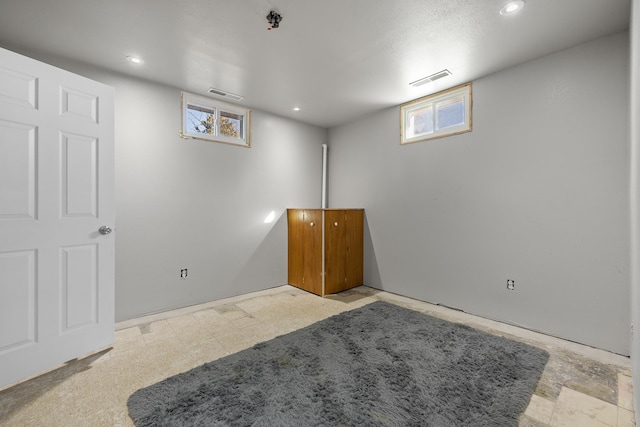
(104,230)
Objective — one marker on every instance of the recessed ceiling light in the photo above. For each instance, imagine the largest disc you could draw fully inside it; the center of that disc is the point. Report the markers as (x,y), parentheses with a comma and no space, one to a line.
(512,7)
(135,59)
(296,108)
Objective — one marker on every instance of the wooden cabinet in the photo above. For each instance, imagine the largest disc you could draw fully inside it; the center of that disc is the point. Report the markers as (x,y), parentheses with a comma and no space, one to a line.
(325,244)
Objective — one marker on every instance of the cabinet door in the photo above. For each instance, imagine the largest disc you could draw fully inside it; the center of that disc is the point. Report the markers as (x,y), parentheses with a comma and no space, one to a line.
(295,221)
(354,248)
(305,249)
(312,249)
(336,230)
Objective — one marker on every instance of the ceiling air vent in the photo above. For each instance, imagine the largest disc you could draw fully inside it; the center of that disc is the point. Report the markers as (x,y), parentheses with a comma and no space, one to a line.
(431,78)
(223,94)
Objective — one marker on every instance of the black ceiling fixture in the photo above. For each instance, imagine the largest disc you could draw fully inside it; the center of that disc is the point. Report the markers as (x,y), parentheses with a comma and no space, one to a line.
(273,18)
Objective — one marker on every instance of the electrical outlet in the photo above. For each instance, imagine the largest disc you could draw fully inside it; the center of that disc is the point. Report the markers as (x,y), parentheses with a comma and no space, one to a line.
(183,273)
(511,284)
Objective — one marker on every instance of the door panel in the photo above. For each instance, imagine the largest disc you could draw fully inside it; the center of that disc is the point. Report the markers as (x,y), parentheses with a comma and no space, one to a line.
(17,88)
(17,165)
(79,105)
(295,223)
(305,249)
(312,248)
(78,288)
(56,190)
(354,248)
(79,176)
(335,250)
(17,319)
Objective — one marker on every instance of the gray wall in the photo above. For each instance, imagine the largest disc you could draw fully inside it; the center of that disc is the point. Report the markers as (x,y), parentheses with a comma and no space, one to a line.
(537,193)
(635,199)
(200,205)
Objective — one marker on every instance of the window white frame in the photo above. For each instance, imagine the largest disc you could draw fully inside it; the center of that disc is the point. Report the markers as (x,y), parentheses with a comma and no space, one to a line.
(214,113)
(428,108)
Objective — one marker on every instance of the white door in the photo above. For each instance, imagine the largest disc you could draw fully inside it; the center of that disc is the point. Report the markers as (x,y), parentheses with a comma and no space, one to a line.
(56,191)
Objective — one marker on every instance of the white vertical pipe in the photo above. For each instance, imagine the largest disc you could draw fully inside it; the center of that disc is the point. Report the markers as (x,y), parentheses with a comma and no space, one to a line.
(324,273)
(635,201)
(324,176)
(324,206)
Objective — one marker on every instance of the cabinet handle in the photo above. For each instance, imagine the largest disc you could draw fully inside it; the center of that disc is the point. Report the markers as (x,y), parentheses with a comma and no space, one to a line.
(311,224)
(335,224)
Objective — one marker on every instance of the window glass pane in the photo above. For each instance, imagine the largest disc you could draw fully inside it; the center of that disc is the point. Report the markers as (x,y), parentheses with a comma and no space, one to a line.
(200,120)
(436,116)
(420,122)
(208,120)
(231,124)
(450,113)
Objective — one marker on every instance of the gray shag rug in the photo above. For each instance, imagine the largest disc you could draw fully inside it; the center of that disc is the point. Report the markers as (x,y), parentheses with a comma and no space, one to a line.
(379,365)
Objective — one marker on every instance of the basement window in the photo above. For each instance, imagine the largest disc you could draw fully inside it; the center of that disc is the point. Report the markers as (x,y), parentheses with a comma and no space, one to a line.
(435,116)
(210,120)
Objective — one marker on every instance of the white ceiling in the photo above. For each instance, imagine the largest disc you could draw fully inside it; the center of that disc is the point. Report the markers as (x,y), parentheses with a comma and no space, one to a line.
(335,59)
